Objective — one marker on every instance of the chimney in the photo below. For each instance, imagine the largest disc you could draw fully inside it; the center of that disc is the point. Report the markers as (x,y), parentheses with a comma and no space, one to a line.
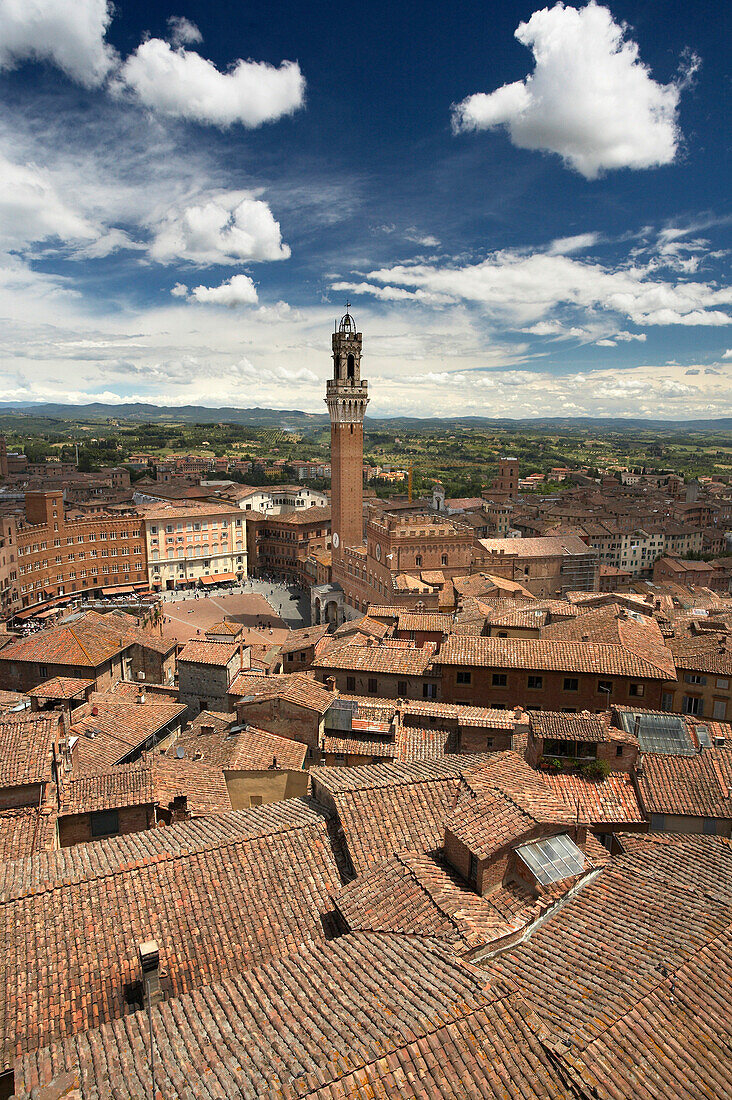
(639,767)
(141,696)
(150,965)
(330,683)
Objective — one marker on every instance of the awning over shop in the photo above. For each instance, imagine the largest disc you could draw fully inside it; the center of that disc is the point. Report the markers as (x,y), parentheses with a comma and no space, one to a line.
(217,578)
(118,590)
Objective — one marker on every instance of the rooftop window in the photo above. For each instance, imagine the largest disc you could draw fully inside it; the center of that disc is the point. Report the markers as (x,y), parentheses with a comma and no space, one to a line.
(553,859)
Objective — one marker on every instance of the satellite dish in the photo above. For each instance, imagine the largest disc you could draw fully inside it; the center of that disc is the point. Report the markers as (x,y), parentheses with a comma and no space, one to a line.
(180,752)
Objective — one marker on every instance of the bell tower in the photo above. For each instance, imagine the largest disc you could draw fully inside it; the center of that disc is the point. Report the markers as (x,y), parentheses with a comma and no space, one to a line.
(346,398)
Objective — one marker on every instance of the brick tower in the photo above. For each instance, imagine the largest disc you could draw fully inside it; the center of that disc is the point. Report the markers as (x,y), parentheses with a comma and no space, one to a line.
(346,398)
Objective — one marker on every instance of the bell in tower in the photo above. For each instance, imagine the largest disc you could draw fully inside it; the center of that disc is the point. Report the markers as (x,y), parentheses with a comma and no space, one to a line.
(346,398)
(347,351)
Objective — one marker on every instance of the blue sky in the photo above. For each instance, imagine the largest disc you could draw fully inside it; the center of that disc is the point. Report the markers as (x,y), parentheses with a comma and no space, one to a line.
(527,207)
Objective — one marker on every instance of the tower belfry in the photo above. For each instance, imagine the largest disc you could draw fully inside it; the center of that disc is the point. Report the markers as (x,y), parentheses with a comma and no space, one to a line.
(346,398)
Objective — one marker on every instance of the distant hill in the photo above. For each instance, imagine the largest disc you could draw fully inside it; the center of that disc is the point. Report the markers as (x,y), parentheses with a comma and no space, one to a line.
(295,419)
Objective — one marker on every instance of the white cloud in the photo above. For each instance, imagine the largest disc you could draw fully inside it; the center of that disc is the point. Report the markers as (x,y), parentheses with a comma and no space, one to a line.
(69,33)
(239,290)
(606,343)
(579,243)
(626,337)
(225,228)
(183,32)
(727,354)
(590,98)
(180,290)
(31,208)
(394,293)
(523,289)
(181,83)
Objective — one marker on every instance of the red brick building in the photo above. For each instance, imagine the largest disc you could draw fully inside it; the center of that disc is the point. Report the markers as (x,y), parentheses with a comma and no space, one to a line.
(55,554)
(346,398)
(548,675)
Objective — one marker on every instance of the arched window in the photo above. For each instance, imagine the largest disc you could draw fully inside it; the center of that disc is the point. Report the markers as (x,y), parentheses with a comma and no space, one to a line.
(418,559)
(444,559)
(351,362)
(337,366)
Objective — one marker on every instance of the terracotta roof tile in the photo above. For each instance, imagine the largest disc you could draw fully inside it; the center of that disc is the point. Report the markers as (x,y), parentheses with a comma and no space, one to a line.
(220,741)
(26,748)
(153,781)
(254,893)
(61,687)
(118,728)
(25,831)
(205,652)
(410,662)
(536,653)
(384,808)
(633,976)
(299,690)
(611,800)
(692,786)
(401,1017)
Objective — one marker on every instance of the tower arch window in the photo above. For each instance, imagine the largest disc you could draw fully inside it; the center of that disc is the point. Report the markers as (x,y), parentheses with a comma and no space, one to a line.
(351,367)
(337,360)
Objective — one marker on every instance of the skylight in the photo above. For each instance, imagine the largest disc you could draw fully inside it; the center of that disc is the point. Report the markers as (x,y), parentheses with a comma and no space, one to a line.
(553,859)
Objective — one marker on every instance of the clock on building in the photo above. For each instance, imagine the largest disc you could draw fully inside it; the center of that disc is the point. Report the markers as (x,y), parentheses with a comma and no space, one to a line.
(336,540)
(378,551)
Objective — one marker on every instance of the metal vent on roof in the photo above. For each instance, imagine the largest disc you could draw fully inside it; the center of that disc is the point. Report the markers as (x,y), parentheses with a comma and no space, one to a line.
(553,859)
(658,732)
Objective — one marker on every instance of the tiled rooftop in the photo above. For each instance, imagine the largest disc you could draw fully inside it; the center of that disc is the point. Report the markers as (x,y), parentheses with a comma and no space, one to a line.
(399,660)
(223,743)
(157,780)
(293,687)
(607,801)
(692,786)
(535,653)
(83,641)
(384,808)
(26,748)
(118,727)
(25,831)
(213,909)
(205,652)
(376,1016)
(61,687)
(632,977)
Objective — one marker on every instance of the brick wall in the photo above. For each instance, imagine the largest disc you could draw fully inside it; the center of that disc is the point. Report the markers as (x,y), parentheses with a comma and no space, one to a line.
(278,716)
(551,696)
(387,684)
(12,797)
(76,828)
(346,450)
(24,675)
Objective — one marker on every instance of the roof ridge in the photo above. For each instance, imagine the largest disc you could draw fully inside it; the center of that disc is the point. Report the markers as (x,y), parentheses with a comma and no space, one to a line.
(428,892)
(80,644)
